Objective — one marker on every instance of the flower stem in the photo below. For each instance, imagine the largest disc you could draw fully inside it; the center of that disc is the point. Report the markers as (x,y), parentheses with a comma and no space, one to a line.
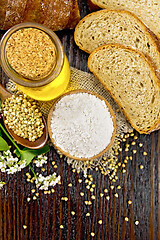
(32,171)
(4,162)
(3,129)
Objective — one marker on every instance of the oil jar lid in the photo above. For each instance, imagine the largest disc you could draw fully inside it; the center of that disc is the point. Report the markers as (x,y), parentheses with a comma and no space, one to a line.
(24,80)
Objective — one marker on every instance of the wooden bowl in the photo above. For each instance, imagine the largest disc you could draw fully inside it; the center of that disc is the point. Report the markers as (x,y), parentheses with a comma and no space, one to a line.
(112,115)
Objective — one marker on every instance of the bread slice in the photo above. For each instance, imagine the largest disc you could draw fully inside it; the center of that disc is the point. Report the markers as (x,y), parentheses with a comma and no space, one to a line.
(129,77)
(147,11)
(120,27)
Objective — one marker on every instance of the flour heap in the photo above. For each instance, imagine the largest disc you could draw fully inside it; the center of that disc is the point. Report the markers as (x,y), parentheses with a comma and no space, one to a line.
(81,125)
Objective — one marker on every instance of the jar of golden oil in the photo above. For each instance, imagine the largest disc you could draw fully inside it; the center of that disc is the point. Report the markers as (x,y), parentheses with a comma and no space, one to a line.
(32,56)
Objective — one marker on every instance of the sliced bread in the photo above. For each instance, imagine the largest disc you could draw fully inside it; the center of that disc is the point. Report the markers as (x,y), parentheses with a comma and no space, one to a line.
(120,27)
(147,11)
(129,77)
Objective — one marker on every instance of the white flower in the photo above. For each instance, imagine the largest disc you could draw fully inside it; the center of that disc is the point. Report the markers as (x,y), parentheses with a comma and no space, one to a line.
(2,157)
(52,183)
(45,182)
(1,184)
(38,163)
(43,187)
(40,160)
(10,164)
(2,165)
(11,170)
(19,169)
(22,164)
(7,152)
(16,167)
(3,169)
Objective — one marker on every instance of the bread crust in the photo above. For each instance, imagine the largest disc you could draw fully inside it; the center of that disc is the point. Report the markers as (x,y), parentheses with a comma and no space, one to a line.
(53,19)
(156,126)
(68,19)
(14,13)
(54,14)
(3,7)
(35,11)
(92,7)
(75,16)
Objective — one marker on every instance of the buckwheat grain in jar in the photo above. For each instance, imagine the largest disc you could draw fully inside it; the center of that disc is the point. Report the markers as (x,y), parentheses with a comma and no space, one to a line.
(33,57)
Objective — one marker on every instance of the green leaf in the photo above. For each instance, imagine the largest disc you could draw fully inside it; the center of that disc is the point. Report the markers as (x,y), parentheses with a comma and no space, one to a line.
(28,154)
(17,153)
(3,145)
(6,133)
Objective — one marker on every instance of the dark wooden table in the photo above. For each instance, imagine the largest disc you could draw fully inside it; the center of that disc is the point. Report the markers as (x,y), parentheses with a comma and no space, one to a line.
(44,216)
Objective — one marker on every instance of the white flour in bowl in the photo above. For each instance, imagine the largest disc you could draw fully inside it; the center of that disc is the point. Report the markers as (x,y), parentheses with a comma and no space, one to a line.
(81,125)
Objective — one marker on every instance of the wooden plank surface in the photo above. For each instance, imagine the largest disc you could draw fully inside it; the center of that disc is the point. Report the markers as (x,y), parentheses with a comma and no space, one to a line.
(44,216)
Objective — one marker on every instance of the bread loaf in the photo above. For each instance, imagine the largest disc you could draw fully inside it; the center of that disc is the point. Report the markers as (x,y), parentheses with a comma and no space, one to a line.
(14,11)
(55,14)
(92,7)
(34,11)
(3,6)
(120,27)
(129,77)
(58,14)
(147,11)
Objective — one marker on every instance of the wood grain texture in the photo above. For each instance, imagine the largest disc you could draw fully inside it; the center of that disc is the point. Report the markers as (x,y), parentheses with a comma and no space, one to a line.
(44,216)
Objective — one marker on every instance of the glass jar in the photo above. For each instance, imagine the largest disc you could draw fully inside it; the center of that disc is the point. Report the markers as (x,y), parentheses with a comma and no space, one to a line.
(46,88)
